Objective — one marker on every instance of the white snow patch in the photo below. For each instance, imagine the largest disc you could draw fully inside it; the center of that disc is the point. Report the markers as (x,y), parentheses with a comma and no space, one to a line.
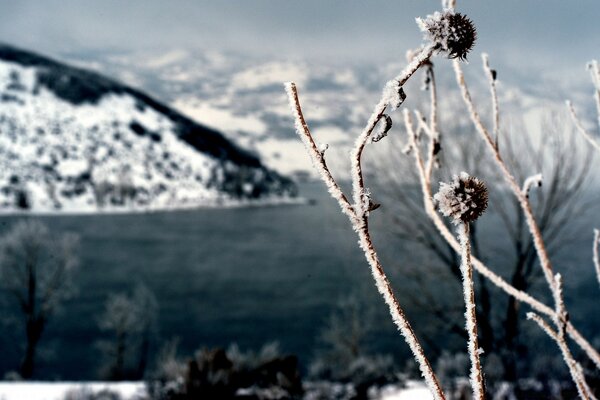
(219,118)
(58,390)
(414,390)
(330,134)
(270,74)
(168,58)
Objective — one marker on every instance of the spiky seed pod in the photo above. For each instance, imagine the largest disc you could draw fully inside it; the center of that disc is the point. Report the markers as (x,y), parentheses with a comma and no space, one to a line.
(453,33)
(464,199)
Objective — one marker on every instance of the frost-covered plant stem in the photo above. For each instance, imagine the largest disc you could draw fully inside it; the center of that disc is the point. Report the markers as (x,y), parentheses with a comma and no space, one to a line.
(523,200)
(466,269)
(581,128)
(359,211)
(494,95)
(596,257)
(574,368)
(425,182)
(317,156)
(538,242)
(391,88)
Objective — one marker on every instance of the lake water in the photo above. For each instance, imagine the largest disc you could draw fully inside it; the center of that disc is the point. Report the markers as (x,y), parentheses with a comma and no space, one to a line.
(244,275)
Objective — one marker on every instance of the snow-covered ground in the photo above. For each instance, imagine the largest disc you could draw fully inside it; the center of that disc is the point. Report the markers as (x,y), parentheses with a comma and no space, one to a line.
(414,390)
(58,390)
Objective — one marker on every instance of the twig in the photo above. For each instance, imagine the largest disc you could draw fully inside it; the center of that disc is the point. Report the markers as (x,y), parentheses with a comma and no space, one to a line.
(359,211)
(595,72)
(596,251)
(538,242)
(523,200)
(580,126)
(466,268)
(451,240)
(392,89)
(425,182)
(574,368)
(317,156)
(491,75)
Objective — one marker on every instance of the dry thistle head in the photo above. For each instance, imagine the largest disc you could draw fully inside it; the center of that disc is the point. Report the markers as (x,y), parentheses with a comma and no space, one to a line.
(464,199)
(453,33)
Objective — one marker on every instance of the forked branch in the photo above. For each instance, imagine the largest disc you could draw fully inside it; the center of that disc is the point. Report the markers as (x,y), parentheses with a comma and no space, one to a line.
(358,215)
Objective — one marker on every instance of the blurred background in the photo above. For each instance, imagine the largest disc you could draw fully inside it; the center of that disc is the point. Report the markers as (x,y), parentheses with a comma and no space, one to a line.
(153,187)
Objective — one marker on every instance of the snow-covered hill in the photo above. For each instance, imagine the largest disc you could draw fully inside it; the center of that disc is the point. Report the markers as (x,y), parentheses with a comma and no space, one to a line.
(73,140)
(243,96)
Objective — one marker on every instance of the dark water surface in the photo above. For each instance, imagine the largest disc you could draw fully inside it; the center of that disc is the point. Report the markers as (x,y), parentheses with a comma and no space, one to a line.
(243,275)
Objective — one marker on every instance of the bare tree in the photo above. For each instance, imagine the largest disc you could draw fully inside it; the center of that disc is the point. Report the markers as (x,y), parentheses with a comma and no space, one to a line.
(131,321)
(35,270)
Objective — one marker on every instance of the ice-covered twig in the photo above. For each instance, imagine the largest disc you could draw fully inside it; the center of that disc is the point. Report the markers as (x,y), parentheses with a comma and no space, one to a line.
(491,75)
(359,211)
(535,180)
(466,268)
(392,94)
(534,229)
(425,181)
(595,72)
(383,130)
(574,368)
(596,251)
(317,156)
(464,200)
(561,317)
(580,126)
(523,200)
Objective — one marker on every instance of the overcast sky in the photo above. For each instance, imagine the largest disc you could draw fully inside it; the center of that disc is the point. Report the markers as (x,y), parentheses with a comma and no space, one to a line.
(544,35)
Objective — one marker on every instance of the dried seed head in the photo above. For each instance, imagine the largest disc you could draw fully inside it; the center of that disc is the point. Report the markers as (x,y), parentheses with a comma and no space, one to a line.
(453,33)
(464,199)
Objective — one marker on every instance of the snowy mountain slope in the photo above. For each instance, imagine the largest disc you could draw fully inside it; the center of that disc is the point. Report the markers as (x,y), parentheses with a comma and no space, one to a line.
(243,96)
(73,140)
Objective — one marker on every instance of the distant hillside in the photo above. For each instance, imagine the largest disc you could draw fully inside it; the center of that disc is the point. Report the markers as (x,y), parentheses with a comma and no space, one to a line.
(74,140)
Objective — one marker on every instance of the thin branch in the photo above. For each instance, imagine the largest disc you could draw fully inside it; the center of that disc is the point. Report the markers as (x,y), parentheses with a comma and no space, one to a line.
(491,75)
(509,178)
(595,72)
(596,251)
(316,155)
(574,368)
(358,212)
(451,240)
(521,296)
(580,126)
(466,268)
(392,94)
(525,206)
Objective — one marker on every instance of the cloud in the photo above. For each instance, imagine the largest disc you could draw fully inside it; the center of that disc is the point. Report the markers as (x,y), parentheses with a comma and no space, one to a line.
(554,33)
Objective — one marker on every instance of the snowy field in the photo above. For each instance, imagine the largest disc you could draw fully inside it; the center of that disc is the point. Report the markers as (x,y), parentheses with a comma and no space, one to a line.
(58,390)
(135,390)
